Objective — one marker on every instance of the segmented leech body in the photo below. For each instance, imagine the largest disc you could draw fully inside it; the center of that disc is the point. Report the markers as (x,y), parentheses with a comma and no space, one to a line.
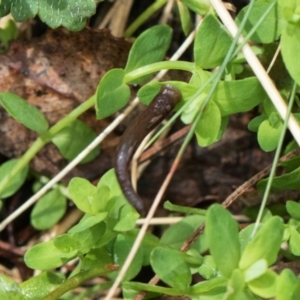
(137,130)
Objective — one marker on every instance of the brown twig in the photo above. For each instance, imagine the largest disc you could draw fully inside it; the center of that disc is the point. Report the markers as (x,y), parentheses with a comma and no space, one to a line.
(160,145)
(253,180)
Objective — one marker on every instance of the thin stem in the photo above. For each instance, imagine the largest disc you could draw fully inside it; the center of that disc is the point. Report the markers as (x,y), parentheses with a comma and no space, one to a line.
(77,280)
(144,17)
(275,161)
(73,115)
(158,66)
(151,288)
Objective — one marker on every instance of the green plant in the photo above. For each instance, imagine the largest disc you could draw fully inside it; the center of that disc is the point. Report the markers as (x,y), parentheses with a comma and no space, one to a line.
(70,14)
(234,264)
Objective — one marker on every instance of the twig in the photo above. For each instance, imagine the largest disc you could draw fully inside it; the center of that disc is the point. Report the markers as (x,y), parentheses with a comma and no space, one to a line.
(253,180)
(160,145)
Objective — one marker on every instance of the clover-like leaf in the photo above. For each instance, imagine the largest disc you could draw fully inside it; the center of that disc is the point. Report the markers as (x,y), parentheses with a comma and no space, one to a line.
(68,13)
(211,53)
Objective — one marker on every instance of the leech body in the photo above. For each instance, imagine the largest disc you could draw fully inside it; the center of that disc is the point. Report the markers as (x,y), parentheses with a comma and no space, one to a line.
(137,130)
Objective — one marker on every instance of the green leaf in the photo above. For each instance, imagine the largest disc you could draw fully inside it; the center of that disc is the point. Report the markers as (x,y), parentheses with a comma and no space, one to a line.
(68,13)
(147,92)
(97,257)
(211,43)
(269,108)
(289,41)
(208,269)
(269,30)
(265,285)
(268,135)
(89,238)
(235,286)
(293,208)
(176,234)
(185,17)
(24,112)
(238,95)
(285,285)
(150,241)
(82,193)
(112,93)
(66,243)
(19,10)
(9,289)
(193,109)
(254,124)
(208,127)
(200,7)
(296,291)
(101,199)
(49,210)
(110,198)
(211,285)
(294,241)
(73,139)
(127,219)
(245,235)
(150,47)
(109,180)
(122,246)
(88,221)
(222,233)
(45,256)
(16,182)
(39,286)
(265,244)
(8,33)
(198,78)
(256,270)
(171,268)
(287,181)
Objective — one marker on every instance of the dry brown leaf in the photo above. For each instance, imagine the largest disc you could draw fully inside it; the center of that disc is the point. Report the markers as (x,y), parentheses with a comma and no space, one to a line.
(56,72)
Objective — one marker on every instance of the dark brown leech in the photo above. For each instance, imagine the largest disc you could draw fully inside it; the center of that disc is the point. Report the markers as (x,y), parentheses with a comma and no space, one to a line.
(137,130)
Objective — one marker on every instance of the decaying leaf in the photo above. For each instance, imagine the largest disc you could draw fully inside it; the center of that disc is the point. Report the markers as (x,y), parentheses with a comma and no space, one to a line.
(55,72)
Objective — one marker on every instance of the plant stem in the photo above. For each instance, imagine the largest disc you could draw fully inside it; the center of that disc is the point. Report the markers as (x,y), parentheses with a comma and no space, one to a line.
(151,288)
(158,66)
(275,161)
(44,139)
(78,279)
(144,16)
